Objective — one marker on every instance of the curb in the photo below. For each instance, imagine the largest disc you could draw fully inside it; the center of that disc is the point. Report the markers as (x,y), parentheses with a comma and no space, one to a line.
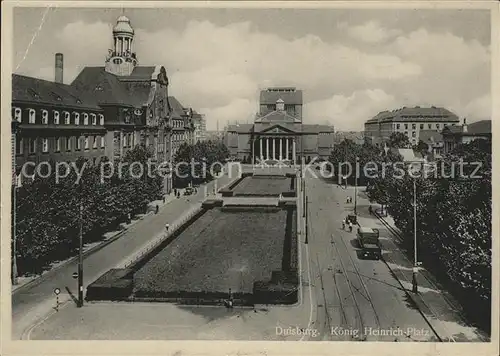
(85,254)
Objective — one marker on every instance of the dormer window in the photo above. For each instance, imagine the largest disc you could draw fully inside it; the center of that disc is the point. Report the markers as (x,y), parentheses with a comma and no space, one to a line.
(32,116)
(77,118)
(101,119)
(85,118)
(67,118)
(34,94)
(17,114)
(56,117)
(127,118)
(98,88)
(45,117)
(56,96)
(280,105)
(94,119)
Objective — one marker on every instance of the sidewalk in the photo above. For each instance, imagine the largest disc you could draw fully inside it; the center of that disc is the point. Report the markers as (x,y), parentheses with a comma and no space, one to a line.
(442,312)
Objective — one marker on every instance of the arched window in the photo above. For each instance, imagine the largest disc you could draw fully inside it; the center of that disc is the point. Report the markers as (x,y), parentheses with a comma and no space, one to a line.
(101,119)
(56,117)
(77,118)
(85,118)
(67,118)
(94,119)
(18,114)
(45,117)
(32,116)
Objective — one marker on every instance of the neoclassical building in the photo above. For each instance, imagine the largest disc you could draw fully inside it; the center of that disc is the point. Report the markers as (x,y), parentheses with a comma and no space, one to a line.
(278,132)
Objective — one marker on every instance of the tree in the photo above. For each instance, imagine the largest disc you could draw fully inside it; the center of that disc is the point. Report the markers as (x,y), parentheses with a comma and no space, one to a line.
(399,140)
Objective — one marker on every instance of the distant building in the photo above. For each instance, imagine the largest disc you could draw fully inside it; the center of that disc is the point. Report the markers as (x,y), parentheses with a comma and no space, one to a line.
(215,135)
(355,136)
(460,134)
(200,127)
(278,132)
(409,121)
(434,140)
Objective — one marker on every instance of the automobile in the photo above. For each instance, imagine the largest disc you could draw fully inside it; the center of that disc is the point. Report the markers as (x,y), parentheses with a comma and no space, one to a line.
(368,240)
(188,191)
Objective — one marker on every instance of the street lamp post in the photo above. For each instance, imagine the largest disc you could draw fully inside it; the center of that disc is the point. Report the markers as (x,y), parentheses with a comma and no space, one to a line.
(356,186)
(415,261)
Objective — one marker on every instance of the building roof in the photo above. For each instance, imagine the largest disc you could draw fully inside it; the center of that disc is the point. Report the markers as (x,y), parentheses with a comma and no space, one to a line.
(279,116)
(108,89)
(247,128)
(478,128)
(176,107)
(289,97)
(139,73)
(408,154)
(415,114)
(428,136)
(34,90)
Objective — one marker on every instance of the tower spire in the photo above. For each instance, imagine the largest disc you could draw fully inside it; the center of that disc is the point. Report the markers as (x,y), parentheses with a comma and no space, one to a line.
(122,59)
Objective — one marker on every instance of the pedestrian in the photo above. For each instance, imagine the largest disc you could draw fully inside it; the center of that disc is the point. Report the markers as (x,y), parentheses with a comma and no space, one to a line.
(343,224)
(163,199)
(167,226)
(370,209)
(129,218)
(157,209)
(350,226)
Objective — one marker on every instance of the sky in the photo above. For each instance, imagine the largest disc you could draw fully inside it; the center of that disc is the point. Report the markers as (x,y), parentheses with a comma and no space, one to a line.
(350,63)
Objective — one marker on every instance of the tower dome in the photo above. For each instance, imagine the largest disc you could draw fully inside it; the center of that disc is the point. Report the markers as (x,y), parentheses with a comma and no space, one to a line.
(123,26)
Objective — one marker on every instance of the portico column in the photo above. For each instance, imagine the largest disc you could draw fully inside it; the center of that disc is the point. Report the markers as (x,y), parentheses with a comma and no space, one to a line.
(287,148)
(293,151)
(267,148)
(261,149)
(281,149)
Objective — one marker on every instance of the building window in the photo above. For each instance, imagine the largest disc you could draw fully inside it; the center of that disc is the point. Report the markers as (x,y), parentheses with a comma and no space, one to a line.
(94,119)
(45,117)
(17,114)
(406,133)
(406,126)
(86,143)
(77,118)
(413,134)
(67,118)
(125,140)
(19,146)
(56,117)
(127,118)
(32,145)
(68,144)
(413,126)
(45,145)
(398,126)
(58,144)
(102,141)
(421,126)
(78,145)
(429,126)
(32,116)
(94,142)
(85,118)
(438,126)
(130,139)
(101,119)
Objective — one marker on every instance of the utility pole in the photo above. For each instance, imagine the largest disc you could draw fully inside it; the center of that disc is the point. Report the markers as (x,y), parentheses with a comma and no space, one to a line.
(307,218)
(356,187)
(80,258)
(415,261)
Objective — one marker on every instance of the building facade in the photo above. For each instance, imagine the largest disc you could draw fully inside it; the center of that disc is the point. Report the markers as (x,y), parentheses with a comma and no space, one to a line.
(200,127)
(466,133)
(409,121)
(105,111)
(278,132)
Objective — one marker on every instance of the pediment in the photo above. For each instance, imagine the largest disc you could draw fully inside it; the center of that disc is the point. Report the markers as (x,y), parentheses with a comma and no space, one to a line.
(277,129)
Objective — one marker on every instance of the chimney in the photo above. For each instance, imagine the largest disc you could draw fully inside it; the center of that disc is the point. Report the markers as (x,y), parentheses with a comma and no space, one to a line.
(464,127)
(59,68)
